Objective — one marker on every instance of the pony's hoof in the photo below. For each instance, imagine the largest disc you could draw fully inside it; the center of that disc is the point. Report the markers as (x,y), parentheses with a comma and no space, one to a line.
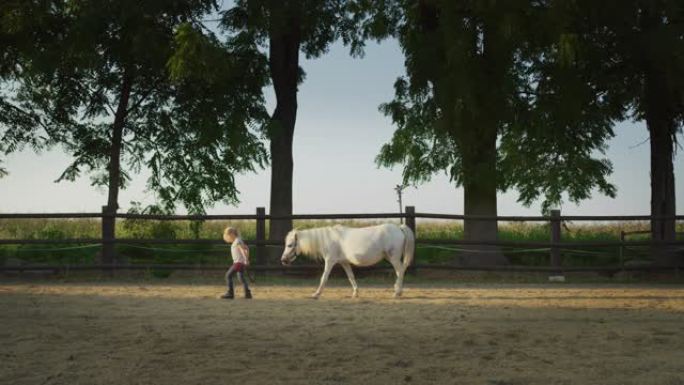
(397,295)
(314,296)
(355,295)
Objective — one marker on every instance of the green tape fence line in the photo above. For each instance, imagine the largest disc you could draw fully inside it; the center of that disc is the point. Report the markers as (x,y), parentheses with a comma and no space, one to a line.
(567,251)
(168,250)
(574,251)
(479,251)
(97,245)
(61,248)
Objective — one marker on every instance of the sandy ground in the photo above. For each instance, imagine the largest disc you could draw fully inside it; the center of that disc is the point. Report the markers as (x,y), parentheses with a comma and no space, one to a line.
(125,333)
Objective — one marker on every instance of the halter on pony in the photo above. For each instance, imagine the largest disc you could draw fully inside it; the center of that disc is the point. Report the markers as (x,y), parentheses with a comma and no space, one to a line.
(294,254)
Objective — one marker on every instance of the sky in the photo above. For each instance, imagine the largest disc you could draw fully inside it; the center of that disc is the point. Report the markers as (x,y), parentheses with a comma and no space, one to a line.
(339,132)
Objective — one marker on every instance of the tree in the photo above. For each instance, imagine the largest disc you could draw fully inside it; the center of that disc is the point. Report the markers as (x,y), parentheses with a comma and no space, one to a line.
(660,60)
(651,47)
(124,85)
(286,28)
(569,107)
(642,58)
(26,27)
(474,103)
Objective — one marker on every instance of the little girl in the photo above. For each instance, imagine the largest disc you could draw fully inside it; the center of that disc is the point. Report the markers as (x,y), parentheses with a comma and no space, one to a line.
(240,254)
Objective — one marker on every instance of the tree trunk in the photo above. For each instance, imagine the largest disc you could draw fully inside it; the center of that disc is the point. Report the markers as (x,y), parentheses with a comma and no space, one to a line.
(661,128)
(479,152)
(480,187)
(281,180)
(284,68)
(114,170)
(660,100)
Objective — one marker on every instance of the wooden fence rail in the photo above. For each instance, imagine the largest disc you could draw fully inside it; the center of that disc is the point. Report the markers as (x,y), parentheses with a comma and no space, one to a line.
(419,241)
(212,217)
(555,243)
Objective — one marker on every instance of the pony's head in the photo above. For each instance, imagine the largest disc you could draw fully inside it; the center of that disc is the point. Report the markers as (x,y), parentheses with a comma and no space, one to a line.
(291,248)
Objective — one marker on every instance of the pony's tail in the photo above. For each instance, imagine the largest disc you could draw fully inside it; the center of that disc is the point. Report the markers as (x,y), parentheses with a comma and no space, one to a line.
(409,245)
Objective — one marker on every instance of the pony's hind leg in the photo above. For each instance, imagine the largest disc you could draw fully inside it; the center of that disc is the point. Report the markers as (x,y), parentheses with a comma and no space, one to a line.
(324,278)
(399,269)
(350,274)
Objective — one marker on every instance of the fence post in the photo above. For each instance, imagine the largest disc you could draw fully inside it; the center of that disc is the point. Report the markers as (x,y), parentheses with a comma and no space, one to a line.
(557,274)
(410,212)
(622,248)
(108,234)
(261,258)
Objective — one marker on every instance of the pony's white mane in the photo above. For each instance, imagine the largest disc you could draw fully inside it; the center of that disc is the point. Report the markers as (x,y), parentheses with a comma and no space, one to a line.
(313,242)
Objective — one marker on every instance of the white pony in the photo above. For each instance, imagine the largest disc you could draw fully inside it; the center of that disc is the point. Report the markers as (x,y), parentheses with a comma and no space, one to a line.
(353,246)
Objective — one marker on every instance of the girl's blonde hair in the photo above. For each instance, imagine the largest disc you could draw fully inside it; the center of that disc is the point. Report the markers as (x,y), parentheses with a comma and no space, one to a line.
(228,231)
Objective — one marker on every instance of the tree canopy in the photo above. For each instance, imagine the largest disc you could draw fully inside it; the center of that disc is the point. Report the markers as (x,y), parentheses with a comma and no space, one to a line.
(636,48)
(142,83)
(479,70)
(26,27)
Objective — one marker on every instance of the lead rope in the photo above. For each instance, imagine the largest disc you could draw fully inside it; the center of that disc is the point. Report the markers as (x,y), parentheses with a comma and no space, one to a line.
(250,275)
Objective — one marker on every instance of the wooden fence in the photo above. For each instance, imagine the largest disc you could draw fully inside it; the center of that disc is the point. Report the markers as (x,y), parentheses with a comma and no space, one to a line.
(555,244)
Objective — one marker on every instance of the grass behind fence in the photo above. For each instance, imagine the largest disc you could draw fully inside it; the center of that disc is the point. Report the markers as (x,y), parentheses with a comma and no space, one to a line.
(56,229)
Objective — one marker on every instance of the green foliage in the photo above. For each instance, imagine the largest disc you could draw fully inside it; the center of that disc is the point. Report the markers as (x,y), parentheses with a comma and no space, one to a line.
(318,23)
(192,125)
(147,229)
(632,43)
(482,68)
(593,68)
(49,230)
(25,29)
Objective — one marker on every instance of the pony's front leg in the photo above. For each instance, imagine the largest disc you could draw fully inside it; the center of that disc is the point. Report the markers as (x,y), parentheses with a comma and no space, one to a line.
(324,278)
(350,274)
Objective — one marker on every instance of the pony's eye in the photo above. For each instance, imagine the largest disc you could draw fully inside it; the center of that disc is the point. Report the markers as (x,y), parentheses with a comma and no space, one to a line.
(290,245)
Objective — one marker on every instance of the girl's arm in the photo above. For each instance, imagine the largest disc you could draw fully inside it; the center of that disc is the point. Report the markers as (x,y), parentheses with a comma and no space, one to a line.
(245,250)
